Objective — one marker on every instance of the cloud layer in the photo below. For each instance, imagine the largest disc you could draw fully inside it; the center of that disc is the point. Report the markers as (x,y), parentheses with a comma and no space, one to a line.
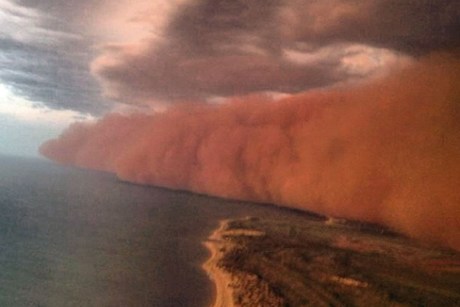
(384,152)
(43,58)
(157,52)
(225,48)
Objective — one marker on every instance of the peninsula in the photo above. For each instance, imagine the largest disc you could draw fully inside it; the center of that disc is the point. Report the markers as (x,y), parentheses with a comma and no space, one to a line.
(314,261)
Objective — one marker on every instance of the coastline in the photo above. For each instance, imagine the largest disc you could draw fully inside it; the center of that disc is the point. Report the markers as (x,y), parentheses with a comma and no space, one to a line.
(222,280)
(311,262)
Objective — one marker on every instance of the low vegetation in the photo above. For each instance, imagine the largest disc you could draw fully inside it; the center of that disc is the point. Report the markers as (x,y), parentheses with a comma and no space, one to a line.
(322,262)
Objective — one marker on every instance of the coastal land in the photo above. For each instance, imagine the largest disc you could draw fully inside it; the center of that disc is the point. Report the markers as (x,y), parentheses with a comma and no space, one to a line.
(315,261)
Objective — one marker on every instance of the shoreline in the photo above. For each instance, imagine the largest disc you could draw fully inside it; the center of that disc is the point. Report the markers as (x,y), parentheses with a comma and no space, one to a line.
(222,280)
(234,287)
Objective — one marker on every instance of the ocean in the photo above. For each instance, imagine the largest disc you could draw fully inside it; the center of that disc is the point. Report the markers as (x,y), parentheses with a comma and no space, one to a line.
(72,237)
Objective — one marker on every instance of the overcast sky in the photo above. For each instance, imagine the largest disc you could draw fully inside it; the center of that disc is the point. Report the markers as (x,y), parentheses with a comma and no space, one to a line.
(62,61)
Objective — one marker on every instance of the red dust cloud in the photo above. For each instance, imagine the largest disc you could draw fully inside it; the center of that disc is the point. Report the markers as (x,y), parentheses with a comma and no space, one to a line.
(386,152)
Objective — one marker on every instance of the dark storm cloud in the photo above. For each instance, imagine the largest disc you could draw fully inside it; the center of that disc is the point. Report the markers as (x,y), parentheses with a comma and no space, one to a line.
(213,48)
(210,27)
(223,48)
(412,26)
(172,75)
(42,59)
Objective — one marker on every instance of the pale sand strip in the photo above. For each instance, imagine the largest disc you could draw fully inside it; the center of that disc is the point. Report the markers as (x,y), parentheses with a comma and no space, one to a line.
(222,279)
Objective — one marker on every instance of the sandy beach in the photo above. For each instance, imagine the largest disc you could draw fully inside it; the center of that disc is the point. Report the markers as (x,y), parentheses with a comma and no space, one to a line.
(222,280)
(233,288)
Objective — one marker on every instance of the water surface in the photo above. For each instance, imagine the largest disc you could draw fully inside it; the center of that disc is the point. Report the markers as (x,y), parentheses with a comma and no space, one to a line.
(71,237)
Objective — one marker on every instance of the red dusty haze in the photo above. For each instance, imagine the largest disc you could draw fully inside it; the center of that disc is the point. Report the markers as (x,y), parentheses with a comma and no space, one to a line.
(385,152)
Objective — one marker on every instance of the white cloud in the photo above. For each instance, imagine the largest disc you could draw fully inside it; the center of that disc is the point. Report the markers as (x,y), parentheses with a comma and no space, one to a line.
(25,125)
(356,60)
(308,57)
(361,60)
(25,110)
